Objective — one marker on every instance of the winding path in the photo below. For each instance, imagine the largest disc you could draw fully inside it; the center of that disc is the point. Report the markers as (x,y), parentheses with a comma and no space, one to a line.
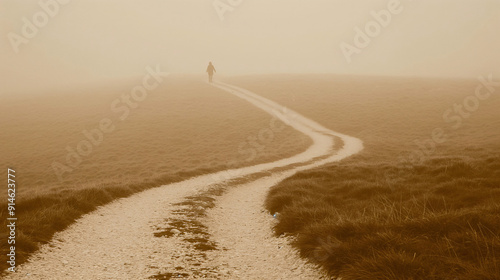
(208,227)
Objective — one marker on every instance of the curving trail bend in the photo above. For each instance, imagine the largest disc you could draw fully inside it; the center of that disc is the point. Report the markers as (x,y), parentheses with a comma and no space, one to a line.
(208,227)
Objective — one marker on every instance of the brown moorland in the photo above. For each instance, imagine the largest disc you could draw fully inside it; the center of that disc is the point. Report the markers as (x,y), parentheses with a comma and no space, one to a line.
(182,129)
(401,209)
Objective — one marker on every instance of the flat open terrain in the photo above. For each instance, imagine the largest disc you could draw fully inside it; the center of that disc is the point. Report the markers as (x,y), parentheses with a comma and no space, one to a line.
(213,226)
(405,207)
(183,128)
(183,125)
(420,201)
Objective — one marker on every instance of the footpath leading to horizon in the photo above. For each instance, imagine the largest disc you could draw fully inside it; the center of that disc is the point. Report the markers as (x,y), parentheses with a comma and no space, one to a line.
(212,226)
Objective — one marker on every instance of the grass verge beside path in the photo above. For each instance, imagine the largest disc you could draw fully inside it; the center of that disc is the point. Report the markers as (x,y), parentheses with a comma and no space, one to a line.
(438,220)
(183,129)
(40,217)
(370,217)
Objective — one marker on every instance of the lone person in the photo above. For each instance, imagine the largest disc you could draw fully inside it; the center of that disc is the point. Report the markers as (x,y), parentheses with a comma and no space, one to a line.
(210,71)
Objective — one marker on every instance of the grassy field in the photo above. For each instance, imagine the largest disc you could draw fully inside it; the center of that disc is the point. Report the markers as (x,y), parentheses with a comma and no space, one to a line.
(406,207)
(181,129)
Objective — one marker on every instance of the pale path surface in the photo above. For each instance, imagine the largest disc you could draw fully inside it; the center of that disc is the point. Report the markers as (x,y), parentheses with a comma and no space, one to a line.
(118,240)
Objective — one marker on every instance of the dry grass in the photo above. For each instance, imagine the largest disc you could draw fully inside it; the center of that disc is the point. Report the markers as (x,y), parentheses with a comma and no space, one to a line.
(183,129)
(183,125)
(434,221)
(371,217)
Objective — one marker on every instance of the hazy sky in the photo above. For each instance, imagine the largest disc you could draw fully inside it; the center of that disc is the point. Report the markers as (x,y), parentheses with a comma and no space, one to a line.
(87,41)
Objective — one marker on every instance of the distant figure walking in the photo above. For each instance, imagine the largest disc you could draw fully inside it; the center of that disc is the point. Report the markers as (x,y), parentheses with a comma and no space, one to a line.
(210,71)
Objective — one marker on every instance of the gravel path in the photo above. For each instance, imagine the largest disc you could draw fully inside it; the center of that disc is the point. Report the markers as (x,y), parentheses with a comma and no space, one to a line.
(209,227)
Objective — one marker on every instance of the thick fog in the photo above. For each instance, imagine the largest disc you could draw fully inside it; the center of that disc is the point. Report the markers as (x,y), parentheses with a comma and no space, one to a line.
(49,44)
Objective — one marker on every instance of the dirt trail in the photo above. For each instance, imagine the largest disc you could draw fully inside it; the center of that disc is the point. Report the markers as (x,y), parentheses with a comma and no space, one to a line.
(209,227)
